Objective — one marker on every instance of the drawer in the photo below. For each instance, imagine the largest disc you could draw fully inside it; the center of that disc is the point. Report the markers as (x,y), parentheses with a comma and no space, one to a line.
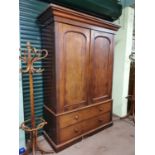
(83,114)
(71,132)
(97,121)
(84,126)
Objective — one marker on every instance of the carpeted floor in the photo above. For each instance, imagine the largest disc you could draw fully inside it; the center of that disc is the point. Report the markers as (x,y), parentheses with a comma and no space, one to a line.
(116,140)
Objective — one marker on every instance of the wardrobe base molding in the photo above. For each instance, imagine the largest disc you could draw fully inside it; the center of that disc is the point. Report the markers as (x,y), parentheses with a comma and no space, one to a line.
(68,143)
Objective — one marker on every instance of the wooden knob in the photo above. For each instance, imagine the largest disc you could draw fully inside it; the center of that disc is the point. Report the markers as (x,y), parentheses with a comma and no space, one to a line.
(100,120)
(76,117)
(100,109)
(76,130)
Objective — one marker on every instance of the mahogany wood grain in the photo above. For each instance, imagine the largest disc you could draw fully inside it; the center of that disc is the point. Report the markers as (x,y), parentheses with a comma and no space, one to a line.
(51,128)
(101,47)
(58,11)
(61,146)
(49,76)
(80,115)
(73,53)
(84,126)
(71,132)
(96,121)
(78,77)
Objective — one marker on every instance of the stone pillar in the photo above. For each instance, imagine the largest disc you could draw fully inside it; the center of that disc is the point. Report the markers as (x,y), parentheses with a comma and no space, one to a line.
(123,48)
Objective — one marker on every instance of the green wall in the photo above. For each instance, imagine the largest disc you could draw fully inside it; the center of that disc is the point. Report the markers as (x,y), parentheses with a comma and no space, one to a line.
(30,31)
(126,3)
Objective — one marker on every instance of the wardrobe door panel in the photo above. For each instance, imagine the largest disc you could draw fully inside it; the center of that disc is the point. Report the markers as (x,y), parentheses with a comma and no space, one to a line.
(74,57)
(101,66)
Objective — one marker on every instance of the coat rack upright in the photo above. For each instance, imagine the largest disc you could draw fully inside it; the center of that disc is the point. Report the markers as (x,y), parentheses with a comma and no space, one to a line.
(29,57)
(131,97)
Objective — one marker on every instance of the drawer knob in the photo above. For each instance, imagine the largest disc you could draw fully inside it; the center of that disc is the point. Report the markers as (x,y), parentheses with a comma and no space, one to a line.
(100,109)
(100,120)
(76,130)
(76,117)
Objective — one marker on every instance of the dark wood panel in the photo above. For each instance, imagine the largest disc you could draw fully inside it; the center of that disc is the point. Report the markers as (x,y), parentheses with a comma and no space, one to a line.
(63,145)
(83,114)
(48,43)
(71,132)
(73,74)
(131,91)
(51,127)
(61,13)
(83,127)
(78,73)
(101,72)
(97,121)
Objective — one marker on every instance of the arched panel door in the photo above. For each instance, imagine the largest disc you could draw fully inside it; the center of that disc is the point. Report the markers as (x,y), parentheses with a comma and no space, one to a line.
(101,66)
(73,61)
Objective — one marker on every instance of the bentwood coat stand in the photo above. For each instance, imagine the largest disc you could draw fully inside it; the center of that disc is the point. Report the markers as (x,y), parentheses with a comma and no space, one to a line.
(131,96)
(30,56)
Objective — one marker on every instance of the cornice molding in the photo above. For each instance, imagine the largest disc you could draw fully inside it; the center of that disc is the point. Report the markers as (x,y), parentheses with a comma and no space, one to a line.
(58,11)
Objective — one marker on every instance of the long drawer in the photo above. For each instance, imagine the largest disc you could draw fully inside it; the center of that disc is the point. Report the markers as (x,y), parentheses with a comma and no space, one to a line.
(84,126)
(80,115)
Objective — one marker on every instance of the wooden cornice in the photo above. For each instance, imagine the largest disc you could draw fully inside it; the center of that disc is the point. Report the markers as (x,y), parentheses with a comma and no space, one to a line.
(57,12)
